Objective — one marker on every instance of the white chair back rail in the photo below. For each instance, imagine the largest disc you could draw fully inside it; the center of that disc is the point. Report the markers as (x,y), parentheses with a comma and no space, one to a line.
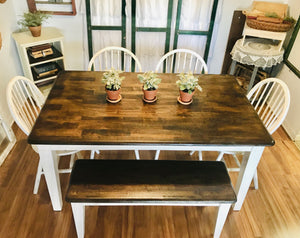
(25,101)
(181,61)
(271,99)
(114,57)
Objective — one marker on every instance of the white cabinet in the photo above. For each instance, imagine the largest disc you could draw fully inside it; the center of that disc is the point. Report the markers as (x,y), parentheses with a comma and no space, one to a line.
(24,42)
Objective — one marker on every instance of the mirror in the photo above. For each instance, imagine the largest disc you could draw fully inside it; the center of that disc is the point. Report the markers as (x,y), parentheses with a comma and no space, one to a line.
(292,52)
(55,7)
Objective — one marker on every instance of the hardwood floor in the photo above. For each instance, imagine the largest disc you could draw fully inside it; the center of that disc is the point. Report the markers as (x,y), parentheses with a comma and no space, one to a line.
(271,211)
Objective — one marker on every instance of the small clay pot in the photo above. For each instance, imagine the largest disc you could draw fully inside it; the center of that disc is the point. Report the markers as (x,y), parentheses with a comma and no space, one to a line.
(186,97)
(149,94)
(35,30)
(113,95)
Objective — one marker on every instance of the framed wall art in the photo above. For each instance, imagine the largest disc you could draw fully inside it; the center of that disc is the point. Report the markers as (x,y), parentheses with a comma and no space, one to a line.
(55,7)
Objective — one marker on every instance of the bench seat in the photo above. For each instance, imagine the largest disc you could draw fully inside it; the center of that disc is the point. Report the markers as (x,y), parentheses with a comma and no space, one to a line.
(147,182)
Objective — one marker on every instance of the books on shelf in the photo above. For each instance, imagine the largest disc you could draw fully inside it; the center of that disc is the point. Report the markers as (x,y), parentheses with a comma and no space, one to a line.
(40,50)
(47,69)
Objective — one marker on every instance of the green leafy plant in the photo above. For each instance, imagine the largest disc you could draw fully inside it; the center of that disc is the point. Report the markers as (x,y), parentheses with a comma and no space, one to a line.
(271,14)
(188,82)
(112,79)
(30,19)
(289,20)
(149,80)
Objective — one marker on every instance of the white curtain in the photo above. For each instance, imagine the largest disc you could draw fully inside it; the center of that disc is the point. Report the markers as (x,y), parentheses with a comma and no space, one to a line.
(195,15)
(150,45)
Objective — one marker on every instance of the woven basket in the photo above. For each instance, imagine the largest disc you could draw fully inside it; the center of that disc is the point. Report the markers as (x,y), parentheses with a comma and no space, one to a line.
(269,26)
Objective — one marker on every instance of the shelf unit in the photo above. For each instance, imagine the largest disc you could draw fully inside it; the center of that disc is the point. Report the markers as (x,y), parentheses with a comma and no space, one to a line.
(50,35)
(280,36)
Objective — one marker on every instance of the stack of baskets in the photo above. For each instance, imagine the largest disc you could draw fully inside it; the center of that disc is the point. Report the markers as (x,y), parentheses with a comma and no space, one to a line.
(257,17)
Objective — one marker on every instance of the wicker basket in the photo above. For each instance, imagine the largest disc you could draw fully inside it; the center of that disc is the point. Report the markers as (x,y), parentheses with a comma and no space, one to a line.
(269,26)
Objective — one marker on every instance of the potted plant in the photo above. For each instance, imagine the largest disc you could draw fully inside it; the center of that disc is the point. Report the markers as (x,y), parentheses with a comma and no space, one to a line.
(112,81)
(150,83)
(33,20)
(187,84)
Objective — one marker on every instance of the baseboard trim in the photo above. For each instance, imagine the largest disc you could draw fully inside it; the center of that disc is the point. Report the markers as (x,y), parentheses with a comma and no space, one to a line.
(291,133)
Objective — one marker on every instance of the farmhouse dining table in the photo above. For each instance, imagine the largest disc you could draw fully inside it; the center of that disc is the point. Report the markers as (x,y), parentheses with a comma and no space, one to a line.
(77,116)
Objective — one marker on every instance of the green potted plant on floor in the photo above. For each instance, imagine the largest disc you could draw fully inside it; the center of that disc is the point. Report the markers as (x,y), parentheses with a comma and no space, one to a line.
(187,84)
(113,81)
(150,83)
(33,20)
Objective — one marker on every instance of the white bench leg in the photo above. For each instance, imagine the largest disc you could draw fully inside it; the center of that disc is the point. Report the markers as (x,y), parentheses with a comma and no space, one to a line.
(221,218)
(79,218)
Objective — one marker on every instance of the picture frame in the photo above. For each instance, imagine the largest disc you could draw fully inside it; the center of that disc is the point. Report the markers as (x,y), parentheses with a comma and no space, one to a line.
(54,7)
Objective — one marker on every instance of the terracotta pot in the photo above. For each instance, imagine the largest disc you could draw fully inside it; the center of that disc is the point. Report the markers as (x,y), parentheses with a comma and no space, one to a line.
(186,97)
(149,94)
(113,95)
(35,30)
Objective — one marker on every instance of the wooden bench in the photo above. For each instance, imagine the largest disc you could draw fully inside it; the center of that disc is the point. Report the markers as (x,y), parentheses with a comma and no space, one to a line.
(147,182)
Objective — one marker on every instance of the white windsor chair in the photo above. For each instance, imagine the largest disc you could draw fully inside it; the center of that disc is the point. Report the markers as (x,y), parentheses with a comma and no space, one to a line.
(181,61)
(271,100)
(115,57)
(25,101)
(118,58)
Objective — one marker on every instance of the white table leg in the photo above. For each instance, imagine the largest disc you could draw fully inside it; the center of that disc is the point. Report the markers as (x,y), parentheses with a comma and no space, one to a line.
(50,167)
(247,170)
(221,218)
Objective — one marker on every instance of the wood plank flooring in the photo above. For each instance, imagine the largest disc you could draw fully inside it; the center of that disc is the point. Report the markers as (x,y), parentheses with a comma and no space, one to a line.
(271,211)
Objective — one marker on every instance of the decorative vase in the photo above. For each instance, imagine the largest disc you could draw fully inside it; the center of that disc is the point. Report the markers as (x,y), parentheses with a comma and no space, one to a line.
(35,30)
(185,96)
(113,95)
(149,95)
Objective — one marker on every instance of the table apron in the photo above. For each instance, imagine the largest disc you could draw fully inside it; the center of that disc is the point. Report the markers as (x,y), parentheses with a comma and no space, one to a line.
(149,147)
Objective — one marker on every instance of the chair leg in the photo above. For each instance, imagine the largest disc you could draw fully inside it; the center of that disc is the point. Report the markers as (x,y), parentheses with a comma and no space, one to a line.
(92,156)
(79,218)
(72,159)
(200,155)
(221,218)
(157,155)
(39,173)
(255,180)
(137,155)
(220,156)
(79,155)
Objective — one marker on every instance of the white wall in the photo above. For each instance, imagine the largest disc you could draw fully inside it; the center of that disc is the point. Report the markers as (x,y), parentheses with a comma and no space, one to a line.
(9,64)
(292,122)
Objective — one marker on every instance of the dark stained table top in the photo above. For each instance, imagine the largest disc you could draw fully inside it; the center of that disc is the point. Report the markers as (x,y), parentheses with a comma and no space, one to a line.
(76,112)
